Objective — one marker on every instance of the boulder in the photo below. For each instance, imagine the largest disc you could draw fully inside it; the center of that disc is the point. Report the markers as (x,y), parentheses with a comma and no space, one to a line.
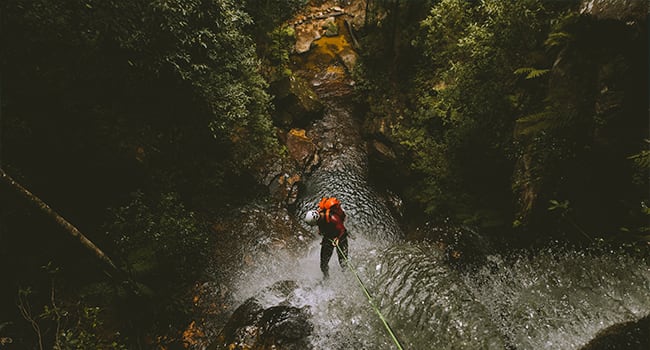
(295,102)
(282,176)
(382,151)
(284,187)
(280,326)
(633,335)
(301,148)
(349,58)
(306,33)
(331,28)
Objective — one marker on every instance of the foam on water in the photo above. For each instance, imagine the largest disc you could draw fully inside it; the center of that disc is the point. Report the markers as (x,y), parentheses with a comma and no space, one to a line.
(560,298)
(553,299)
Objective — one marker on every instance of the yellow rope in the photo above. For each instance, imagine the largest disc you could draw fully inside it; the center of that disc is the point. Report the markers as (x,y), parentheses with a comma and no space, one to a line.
(370,299)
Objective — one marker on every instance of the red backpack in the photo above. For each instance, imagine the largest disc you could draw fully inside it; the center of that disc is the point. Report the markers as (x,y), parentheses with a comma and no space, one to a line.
(330,206)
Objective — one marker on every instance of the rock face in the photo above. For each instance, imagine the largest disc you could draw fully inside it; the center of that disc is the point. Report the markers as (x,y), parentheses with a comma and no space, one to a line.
(281,326)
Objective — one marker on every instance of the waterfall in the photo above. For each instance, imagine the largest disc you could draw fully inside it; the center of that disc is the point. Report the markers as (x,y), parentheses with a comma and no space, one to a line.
(557,298)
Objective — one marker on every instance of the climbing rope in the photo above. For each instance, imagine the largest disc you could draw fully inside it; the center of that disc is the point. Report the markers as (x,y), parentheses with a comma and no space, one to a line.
(370,299)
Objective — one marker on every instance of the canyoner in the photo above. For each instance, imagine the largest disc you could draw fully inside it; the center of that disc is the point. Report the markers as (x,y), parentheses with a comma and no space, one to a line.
(330,219)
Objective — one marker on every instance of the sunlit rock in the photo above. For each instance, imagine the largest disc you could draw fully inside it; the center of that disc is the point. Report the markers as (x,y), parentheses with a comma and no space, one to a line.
(306,33)
(301,148)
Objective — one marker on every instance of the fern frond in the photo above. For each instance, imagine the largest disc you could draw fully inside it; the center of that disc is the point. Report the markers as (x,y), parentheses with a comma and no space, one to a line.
(531,73)
(536,73)
(524,70)
(534,118)
(538,122)
(557,39)
(641,159)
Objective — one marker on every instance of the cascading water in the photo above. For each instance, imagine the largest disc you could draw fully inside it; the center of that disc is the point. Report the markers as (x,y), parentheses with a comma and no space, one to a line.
(553,299)
(560,298)
(556,298)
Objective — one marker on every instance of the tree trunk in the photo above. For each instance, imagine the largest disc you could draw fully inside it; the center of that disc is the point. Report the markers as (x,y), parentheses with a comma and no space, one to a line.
(111,269)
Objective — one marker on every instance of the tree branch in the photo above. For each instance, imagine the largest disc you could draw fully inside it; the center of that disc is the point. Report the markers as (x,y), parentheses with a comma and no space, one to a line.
(111,269)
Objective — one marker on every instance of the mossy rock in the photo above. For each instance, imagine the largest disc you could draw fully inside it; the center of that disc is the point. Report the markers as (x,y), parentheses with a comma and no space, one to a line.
(331,28)
(296,104)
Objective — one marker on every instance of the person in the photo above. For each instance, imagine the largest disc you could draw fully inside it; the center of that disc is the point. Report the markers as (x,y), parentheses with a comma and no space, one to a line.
(330,219)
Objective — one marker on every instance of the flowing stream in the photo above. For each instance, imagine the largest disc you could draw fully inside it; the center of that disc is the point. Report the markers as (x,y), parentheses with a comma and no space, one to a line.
(557,298)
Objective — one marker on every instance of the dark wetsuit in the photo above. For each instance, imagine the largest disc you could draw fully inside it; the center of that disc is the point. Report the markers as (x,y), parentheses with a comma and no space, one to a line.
(331,230)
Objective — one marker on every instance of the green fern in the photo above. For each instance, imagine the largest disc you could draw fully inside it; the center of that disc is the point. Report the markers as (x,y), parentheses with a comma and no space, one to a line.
(531,73)
(537,122)
(642,159)
(557,39)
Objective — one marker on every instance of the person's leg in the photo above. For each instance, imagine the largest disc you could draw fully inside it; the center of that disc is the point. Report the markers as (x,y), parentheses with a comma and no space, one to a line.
(343,244)
(326,249)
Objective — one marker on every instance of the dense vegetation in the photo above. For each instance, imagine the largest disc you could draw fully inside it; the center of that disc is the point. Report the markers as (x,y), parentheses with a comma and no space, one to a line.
(137,121)
(141,121)
(523,118)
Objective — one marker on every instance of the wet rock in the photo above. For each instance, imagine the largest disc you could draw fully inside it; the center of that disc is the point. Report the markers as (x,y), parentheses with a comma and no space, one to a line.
(295,102)
(285,326)
(242,328)
(634,335)
(301,148)
(306,33)
(304,43)
(327,15)
(395,203)
(280,326)
(331,28)
(284,187)
(321,21)
(281,176)
(349,58)
(382,151)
